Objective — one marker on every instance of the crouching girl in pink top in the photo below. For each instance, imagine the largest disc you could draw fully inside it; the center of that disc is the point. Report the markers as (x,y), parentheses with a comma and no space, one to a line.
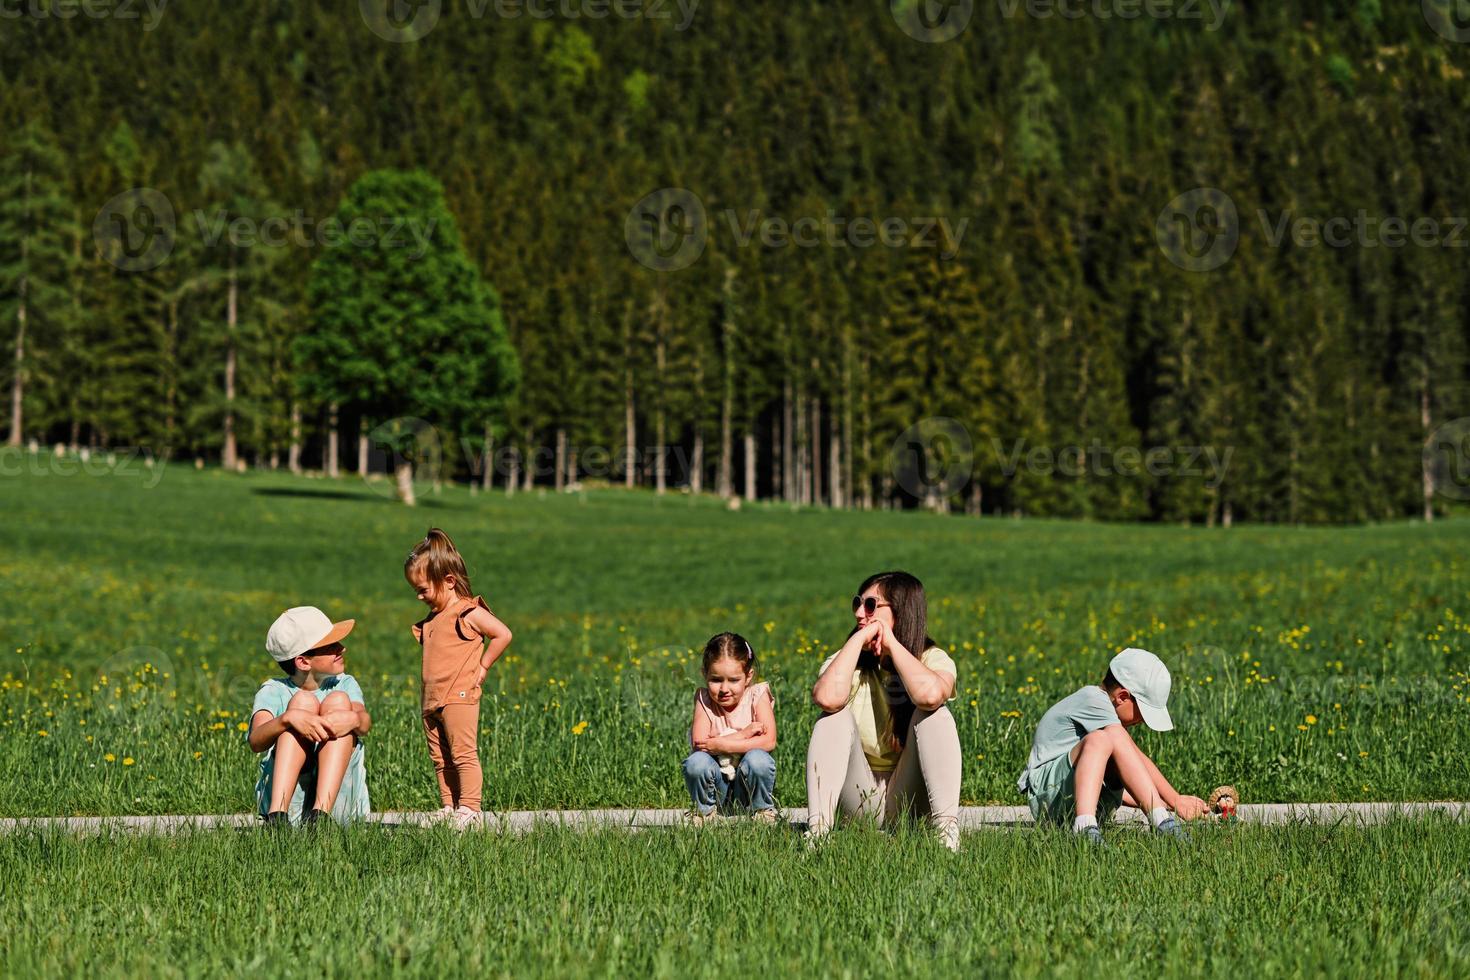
(733,735)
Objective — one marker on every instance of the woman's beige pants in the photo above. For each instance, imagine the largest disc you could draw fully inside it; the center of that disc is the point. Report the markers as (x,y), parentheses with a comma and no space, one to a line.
(926,780)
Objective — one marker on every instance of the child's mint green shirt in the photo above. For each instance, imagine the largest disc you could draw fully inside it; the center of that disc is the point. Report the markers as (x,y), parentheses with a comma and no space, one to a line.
(1083,711)
(352,800)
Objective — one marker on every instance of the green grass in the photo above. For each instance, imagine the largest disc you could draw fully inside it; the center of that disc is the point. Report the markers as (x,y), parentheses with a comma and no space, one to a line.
(1310,664)
(1242,901)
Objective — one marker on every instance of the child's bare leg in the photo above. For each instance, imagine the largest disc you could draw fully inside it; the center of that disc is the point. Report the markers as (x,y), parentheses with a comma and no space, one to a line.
(1095,753)
(290,755)
(332,757)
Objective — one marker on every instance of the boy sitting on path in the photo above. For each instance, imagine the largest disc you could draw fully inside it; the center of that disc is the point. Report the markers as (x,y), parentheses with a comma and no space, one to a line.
(309,724)
(1084,764)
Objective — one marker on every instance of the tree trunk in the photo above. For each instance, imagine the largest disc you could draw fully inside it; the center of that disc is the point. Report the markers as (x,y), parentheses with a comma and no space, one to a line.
(1426,458)
(973,504)
(725,478)
(528,472)
(362,447)
(750,463)
(513,477)
(333,435)
(834,466)
(403,476)
(660,437)
(293,453)
(778,465)
(630,433)
(815,442)
(696,465)
(487,461)
(230,456)
(788,460)
(18,383)
(803,451)
(571,466)
(559,479)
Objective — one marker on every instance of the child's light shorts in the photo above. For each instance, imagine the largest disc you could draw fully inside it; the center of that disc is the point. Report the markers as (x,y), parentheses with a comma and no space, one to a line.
(1053,793)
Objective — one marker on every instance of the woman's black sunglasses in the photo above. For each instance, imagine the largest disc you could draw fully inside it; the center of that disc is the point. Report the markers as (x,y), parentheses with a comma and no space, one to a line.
(869,605)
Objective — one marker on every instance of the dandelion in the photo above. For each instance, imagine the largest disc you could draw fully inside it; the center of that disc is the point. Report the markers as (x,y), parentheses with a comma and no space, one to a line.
(109,757)
(127,760)
(243,726)
(1311,719)
(579,728)
(43,734)
(198,755)
(1362,755)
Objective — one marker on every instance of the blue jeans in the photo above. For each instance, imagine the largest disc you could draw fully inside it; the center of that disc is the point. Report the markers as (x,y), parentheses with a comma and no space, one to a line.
(754,784)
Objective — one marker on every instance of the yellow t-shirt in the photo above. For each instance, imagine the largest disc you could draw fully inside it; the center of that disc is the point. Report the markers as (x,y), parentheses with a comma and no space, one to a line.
(870,706)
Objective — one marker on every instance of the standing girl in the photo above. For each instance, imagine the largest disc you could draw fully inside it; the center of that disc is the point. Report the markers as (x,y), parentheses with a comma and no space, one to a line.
(455,661)
(886,740)
(733,734)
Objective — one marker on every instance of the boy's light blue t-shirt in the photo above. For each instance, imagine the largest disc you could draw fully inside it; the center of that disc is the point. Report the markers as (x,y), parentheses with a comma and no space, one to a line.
(1065,723)
(352,800)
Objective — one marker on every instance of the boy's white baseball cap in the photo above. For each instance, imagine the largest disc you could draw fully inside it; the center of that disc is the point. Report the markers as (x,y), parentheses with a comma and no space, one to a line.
(1147,679)
(300,629)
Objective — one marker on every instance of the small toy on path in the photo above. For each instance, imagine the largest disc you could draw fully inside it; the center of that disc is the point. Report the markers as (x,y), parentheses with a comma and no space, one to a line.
(1223,802)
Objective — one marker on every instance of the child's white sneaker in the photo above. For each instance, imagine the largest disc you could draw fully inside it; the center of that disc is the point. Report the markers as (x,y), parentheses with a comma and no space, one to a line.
(465,818)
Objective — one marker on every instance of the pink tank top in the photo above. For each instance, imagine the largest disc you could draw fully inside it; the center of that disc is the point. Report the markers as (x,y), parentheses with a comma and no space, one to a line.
(728,723)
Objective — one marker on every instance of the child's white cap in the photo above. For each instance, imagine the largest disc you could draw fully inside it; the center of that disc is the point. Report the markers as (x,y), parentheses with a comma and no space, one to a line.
(301,629)
(1147,679)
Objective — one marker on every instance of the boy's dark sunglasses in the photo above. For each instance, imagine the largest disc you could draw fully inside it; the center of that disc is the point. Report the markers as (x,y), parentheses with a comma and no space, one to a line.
(869,605)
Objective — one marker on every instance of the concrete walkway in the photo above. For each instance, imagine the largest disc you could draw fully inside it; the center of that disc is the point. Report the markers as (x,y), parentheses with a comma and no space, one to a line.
(519,821)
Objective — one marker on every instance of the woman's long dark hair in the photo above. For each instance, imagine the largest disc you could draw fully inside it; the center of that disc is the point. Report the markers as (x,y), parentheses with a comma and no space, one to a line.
(905,595)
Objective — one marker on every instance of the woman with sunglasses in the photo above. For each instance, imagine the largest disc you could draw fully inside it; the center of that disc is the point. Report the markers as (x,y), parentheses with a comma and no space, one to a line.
(886,742)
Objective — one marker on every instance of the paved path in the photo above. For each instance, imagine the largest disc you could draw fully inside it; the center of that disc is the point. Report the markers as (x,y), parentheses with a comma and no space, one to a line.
(971,818)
